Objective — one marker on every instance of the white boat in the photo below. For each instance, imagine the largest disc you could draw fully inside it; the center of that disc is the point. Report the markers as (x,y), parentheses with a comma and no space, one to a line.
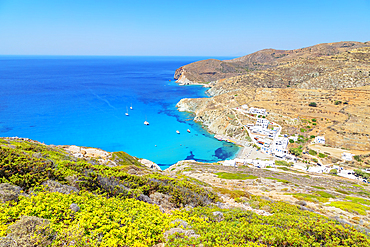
(131,107)
(146,122)
(178,132)
(126,111)
(188,130)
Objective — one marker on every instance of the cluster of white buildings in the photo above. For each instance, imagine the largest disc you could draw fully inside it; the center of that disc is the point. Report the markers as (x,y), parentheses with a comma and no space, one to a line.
(255,163)
(253,110)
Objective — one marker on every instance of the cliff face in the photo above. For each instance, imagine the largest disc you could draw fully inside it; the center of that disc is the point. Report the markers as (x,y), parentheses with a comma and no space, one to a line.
(217,118)
(338,83)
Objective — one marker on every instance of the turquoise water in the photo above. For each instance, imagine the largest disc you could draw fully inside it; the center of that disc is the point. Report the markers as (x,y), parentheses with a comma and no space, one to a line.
(83,100)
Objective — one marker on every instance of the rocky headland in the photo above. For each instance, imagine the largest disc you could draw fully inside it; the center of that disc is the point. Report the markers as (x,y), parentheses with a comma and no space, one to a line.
(334,76)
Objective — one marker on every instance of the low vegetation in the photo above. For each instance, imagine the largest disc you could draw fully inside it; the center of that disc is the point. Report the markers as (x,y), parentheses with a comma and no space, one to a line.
(50,198)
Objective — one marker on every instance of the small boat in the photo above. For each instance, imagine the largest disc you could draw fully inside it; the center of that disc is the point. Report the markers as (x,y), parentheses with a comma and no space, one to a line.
(126,111)
(131,107)
(188,130)
(178,132)
(146,123)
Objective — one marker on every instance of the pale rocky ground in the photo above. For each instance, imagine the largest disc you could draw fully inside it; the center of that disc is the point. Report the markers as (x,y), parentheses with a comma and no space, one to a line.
(293,181)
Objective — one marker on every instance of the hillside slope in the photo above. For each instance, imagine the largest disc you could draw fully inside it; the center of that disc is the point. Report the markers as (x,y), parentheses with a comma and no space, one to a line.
(210,70)
(48,197)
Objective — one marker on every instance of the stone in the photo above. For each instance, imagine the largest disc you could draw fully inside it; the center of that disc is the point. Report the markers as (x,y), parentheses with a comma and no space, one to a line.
(219,216)
(74,207)
(150,164)
(9,192)
(302,203)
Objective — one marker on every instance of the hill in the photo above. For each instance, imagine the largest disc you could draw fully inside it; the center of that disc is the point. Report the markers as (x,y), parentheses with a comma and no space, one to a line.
(211,70)
(335,76)
(53,196)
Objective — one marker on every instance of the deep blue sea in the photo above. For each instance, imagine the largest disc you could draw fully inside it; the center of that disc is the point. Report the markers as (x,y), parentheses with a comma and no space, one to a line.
(83,100)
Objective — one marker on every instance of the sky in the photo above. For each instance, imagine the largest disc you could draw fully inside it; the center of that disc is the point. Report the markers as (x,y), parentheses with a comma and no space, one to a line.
(176,28)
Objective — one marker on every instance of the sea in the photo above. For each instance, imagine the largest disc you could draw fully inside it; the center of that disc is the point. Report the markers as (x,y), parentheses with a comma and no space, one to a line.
(83,100)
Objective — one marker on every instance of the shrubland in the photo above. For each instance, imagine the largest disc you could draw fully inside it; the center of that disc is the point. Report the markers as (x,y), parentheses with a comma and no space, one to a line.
(50,198)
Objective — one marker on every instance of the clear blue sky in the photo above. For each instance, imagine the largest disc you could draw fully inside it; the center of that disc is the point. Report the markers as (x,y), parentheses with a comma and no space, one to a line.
(170,27)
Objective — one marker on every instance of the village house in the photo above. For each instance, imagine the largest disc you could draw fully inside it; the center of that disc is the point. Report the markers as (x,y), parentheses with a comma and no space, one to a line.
(347,156)
(319,140)
(264,123)
(257,111)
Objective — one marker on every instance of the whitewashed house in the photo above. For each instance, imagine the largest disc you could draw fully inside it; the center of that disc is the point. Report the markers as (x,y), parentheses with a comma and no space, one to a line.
(264,123)
(347,156)
(229,163)
(319,140)
(279,149)
(257,111)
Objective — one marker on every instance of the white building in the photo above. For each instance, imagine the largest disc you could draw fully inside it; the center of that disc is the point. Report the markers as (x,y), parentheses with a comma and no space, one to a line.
(347,156)
(229,163)
(319,139)
(257,111)
(264,123)
(280,147)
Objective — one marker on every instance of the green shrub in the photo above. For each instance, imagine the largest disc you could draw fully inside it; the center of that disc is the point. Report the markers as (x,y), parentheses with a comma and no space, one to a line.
(296,151)
(321,155)
(313,120)
(312,104)
(239,176)
(312,152)
(291,141)
(333,171)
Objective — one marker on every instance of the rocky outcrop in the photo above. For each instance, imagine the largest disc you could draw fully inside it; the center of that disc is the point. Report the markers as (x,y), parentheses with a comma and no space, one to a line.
(150,164)
(214,116)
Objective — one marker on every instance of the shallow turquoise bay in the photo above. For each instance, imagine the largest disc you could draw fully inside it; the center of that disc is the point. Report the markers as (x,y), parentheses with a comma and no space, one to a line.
(83,100)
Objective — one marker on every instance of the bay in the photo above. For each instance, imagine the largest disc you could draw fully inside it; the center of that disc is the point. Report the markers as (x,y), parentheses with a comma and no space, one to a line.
(82,100)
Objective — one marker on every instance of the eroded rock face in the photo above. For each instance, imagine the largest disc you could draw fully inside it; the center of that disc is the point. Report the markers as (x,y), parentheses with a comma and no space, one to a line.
(9,192)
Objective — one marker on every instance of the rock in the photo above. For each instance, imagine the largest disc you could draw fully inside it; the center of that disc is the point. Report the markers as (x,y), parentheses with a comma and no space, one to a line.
(180,232)
(180,222)
(302,203)
(144,198)
(74,207)
(74,149)
(9,192)
(219,216)
(150,164)
(54,186)
(24,230)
